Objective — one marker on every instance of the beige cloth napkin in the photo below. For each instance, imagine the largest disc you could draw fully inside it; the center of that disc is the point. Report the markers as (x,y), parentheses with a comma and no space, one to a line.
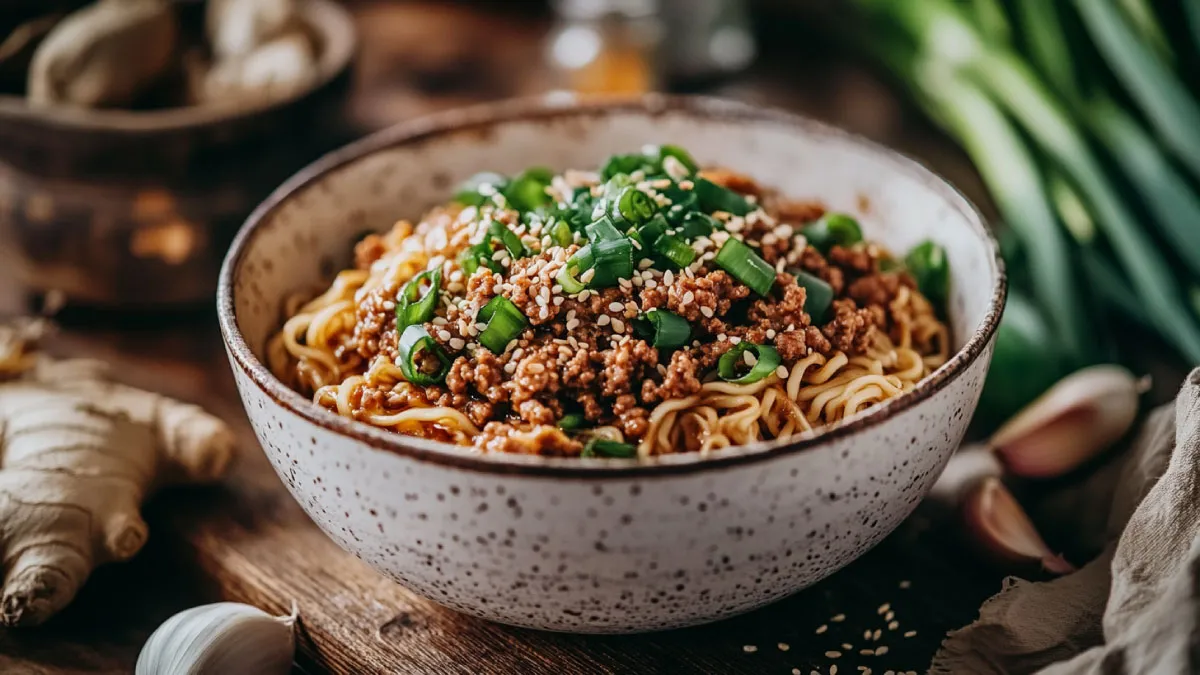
(1133,610)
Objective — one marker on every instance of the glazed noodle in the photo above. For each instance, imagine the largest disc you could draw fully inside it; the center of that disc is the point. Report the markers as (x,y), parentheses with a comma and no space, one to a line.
(646,309)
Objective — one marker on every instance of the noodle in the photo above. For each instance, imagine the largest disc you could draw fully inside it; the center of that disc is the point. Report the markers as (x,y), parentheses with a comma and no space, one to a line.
(326,348)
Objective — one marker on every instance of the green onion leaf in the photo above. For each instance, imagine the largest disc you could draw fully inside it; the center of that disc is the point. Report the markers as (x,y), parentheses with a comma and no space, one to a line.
(568,278)
(601,230)
(527,191)
(818,295)
(663,329)
(572,421)
(649,233)
(833,229)
(683,156)
(561,234)
(414,308)
(928,266)
(613,261)
(469,192)
(713,197)
(765,358)
(498,231)
(504,323)
(682,201)
(696,224)
(416,349)
(632,206)
(746,266)
(599,447)
(622,165)
(675,249)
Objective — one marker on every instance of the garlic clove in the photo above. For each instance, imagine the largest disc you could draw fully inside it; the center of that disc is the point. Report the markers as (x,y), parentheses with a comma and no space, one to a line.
(224,638)
(1075,420)
(965,470)
(1000,527)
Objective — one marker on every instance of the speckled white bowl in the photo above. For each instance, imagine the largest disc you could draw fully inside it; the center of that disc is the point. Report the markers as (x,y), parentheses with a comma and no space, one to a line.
(605,545)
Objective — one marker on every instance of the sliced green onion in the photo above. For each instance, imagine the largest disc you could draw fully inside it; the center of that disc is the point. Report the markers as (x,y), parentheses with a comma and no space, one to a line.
(622,164)
(650,232)
(561,234)
(498,231)
(414,308)
(601,230)
(632,206)
(746,266)
(927,264)
(675,249)
(664,329)
(599,447)
(713,197)
(766,360)
(527,191)
(568,280)
(682,201)
(504,323)
(468,261)
(572,421)
(613,261)
(415,348)
(818,295)
(469,191)
(696,224)
(833,229)
(683,156)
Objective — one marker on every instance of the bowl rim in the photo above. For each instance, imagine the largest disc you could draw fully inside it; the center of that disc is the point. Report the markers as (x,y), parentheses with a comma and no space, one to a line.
(332,21)
(481,117)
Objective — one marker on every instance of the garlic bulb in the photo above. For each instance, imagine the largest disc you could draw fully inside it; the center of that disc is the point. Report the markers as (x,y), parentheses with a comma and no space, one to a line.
(224,638)
(999,526)
(1075,420)
(966,469)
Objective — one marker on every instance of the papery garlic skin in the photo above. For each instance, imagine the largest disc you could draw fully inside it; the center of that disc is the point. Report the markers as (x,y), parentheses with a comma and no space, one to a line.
(1074,421)
(224,638)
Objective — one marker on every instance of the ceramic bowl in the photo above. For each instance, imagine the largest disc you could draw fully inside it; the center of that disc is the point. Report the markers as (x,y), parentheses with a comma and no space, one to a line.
(605,545)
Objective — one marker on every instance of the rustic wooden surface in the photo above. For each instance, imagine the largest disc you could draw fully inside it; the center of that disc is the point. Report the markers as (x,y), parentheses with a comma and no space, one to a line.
(247,540)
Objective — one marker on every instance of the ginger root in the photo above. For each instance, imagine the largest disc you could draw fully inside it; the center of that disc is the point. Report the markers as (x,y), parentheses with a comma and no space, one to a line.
(78,454)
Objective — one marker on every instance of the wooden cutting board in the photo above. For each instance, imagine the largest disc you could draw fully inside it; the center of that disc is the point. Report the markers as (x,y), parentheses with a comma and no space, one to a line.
(247,540)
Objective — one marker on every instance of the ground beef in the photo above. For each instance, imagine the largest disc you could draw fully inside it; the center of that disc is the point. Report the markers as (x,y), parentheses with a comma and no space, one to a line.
(681,380)
(851,329)
(630,362)
(368,250)
(814,263)
(786,311)
(538,440)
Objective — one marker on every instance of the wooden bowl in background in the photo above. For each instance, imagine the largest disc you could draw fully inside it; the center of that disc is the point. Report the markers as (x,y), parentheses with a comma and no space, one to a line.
(128,208)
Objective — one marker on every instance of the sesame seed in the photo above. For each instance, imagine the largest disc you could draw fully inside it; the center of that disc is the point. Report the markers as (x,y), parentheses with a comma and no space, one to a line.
(782,372)
(838,618)
(889,616)
(616,307)
(749,358)
(559,300)
(439,321)
(867,652)
(457,343)
(831,654)
(618,326)
(651,283)
(481,326)
(822,628)
(893,625)
(721,337)
(875,636)
(707,312)
(881,651)
(911,633)
(867,634)
(603,320)
(572,324)
(631,309)
(749,649)
(905,584)
(536,368)
(510,367)
(686,184)
(541,301)
(668,277)
(585,294)
(544,313)
(847,646)
(638,281)
(883,609)
(833,669)
(587,276)
(771,333)
(645,263)
(570,315)
(735,339)
(444,335)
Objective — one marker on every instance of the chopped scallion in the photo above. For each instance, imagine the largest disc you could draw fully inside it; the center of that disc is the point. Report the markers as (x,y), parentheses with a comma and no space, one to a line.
(675,249)
(632,206)
(746,266)
(818,295)
(599,447)
(833,229)
(713,197)
(663,329)
(571,421)
(414,308)
(504,323)
(422,359)
(926,262)
(765,361)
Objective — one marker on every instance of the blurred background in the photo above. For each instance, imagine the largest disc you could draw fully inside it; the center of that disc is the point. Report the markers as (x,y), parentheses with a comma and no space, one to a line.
(136,135)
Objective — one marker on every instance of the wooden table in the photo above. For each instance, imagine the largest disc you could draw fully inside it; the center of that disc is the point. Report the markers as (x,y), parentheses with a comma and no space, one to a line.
(247,540)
